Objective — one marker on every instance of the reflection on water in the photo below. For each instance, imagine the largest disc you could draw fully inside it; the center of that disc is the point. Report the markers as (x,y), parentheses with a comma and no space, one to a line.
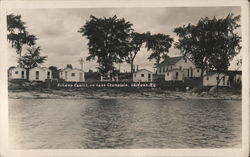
(97,123)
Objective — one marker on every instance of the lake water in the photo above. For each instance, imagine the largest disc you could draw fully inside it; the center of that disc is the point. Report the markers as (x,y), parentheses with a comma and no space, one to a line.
(111,123)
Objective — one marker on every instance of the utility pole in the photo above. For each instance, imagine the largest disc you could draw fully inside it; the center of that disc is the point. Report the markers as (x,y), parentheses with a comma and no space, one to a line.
(81,63)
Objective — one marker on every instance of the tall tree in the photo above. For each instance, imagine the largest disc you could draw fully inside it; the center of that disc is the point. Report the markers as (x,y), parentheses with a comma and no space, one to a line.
(159,44)
(211,43)
(134,47)
(108,40)
(17,33)
(31,59)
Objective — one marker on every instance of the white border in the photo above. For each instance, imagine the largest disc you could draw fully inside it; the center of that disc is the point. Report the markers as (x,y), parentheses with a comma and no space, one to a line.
(125,152)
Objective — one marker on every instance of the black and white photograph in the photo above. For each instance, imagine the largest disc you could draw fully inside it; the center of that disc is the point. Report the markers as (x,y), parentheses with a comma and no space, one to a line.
(111,78)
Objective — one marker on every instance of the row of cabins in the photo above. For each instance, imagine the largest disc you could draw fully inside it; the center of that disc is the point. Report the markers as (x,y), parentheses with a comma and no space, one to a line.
(43,73)
(172,69)
(35,74)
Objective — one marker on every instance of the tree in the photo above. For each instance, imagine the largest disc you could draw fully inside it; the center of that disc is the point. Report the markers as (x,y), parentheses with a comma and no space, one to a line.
(159,44)
(108,40)
(238,63)
(211,43)
(55,72)
(134,47)
(31,59)
(17,33)
(69,66)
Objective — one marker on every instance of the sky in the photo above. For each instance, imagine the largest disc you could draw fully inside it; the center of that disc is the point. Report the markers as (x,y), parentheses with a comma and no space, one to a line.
(57,30)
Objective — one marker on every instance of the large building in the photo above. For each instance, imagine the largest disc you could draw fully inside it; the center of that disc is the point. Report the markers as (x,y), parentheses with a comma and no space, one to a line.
(178,68)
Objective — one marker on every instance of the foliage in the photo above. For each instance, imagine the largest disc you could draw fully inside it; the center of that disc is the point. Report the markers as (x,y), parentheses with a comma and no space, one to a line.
(32,58)
(108,40)
(211,43)
(17,33)
(134,47)
(238,63)
(159,44)
(69,66)
(55,72)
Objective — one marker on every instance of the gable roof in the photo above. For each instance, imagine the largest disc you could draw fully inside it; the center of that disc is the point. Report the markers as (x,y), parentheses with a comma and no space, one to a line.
(69,69)
(42,68)
(171,61)
(143,70)
(16,67)
(215,73)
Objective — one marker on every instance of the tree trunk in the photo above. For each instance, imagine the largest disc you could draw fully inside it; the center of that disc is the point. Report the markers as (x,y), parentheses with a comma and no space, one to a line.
(27,73)
(132,66)
(217,84)
(201,77)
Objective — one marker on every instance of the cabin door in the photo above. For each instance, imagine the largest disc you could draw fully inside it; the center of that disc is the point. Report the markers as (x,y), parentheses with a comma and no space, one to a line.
(149,78)
(80,79)
(22,74)
(176,75)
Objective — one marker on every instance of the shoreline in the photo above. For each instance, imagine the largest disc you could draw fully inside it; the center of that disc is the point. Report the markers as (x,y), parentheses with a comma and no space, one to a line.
(119,94)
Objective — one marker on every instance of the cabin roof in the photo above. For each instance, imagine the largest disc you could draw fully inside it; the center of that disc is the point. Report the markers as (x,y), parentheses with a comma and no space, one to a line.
(143,70)
(13,67)
(213,73)
(171,61)
(42,68)
(228,72)
(69,69)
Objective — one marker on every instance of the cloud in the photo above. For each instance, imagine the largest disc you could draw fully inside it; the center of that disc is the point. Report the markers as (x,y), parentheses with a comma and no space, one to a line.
(59,39)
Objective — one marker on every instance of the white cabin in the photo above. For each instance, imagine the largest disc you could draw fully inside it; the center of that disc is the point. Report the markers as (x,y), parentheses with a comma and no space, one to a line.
(72,75)
(17,73)
(40,74)
(143,75)
(211,79)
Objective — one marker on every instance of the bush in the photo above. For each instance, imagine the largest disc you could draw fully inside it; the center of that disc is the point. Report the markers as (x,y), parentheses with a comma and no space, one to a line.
(171,85)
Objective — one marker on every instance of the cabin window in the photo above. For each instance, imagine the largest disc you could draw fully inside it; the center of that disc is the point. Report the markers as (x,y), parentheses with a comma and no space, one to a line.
(188,72)
(207,78)
(37,75)
(16,72)
(73,74)
(163,69)
(167,74)
(171,67)
(142,75)
(198,70)
(185,60)
(135,75)
(48,75)
(223,80)
(180,68)
(167,68)
(159,69)
(22,73)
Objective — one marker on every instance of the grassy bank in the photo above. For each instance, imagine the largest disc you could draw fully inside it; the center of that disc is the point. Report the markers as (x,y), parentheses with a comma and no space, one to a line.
(119,93)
